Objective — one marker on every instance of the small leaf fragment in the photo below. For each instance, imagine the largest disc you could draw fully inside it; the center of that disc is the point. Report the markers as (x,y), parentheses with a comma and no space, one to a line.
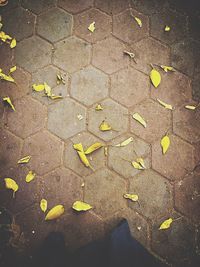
(11,184)
(13,43)
(98,107)
(4,37)
(84,159)
(141,162)
(104,126)
(13,69)
(166,224)
(132,197)
(81,206)
(140,119)
(167,28)
(137,165)
(139,21)
(78,147)
(55,213)
(167,106)
(165,142)
(93,148)
(43,205)
(7,78)
(167,68)
(80,117)
(30,176)
(125,142)
(8,100)
(25,159)
(91,27)
(155,77)
(53,97)
(106,151)
(47,89)
(190,107)
(38,87)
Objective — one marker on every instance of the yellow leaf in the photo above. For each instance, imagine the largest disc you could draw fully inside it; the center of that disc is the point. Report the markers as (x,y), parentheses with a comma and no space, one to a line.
(190,107)
(106,151)
(78,147)
(55,212)
(137,165)
(13,69)
(81,206)
(47,89)
(167,28)
(166,224)
(139,118)
(104,126)
(139,22)
(84,159)
(53,97)
(165,142)
(11,184)
(38,87)
(4,37)
(141,162)
(167,106)
(24,160)
(132,197)
(43,204)
(30,176)
(125,142)
(91,27)
(13,43)
(7,78)
(167,68)
(93,148)
(155,77)
(98,107)
(60,79)
(8,100)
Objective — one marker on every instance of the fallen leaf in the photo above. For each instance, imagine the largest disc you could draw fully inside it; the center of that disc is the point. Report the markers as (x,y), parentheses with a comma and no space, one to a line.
(24,160)
(125,142)
(131,55)
(104,126)
(13,69)
(167,28)
(167,68)
(137,165)
(55,212)
(8,100)
(140,119)
(38,87)
(80,117)
(53,97)
(81,206)
(7,78)
(30,176)
(166,224)
(98,107)
(47,89)
(84,159)
(190,107)
(155,77)
(139,22)
(78,147)
(165,142)
(60,79)
(167,106)
(106,151)
(4,37)
(91,27)
(11,184)
(13,43)
(132,197)
(93,148)
(43,204)
(141,162)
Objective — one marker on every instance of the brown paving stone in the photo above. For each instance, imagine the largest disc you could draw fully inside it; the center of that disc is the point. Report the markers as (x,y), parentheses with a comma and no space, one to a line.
(149,7)
(6,57)
(165,164)
(108,55)
(154,192)
(102,25)
(23,18)
(196,87)
(175,89)
(10,5)
(186,123)
(129,87)
(187,198)
(29,118)
(45,150)
(89,85)
(112,6)
(72,160)
(149,51)
(114,114)
(120,158)
(33,53)
(72,54)
(175,21)
(37,6)
(75,6)
(126,28)
(63,120)
(54,25)
(158,121)
(194,24)
(104,191)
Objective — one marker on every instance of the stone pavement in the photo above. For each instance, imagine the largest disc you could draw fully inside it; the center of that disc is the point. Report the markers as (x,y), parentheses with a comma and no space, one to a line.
(53,38)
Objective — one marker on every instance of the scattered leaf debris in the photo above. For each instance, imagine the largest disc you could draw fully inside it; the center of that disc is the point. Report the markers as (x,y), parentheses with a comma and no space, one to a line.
(81,206)
(55,213)
(140,119)
(11,184)
(8,100)
(165,143)
(91,27)
(166,224)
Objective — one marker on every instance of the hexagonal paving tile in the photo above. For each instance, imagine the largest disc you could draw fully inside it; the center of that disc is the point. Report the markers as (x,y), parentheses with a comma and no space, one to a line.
(149,7)
(72,160)
(186,123)
(72,54)
(29,118)
(158,121)
(54,25)
(89,85)
(175,89)
(63,120)
(129,87)
(112,6)
(108,55)
(194,24)
(187,194)
(175,21)
(38,6)
(10,5)
(176,243)
(114,114)
(33,53)
(6,58)
(120,158)
(24,18)
(75,6)
(154,192)
(126,28)
(178,149)
(20,88)
(149,50)
(104,191)
(102,25)
(195,87)
(46,151)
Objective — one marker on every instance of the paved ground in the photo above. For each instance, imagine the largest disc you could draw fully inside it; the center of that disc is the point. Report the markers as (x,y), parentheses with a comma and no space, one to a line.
(53,38)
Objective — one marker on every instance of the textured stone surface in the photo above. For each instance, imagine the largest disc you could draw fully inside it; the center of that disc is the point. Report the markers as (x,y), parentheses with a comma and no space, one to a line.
(112,6)
(104,191)
(114,114)
(149,7)
(6,58)
(102,25)
(72,54)
(54,25)
(196,87)
(89,86)
(75,6)
(129,87)
(33,53)
(126,28)
(38,6)
(108,55)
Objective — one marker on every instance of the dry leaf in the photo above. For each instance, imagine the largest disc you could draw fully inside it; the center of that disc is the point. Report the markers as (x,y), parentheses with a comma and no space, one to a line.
(165,142)
(55,212)
(166,224)
(13,69)
(91,27)
(7,78)
(167,28)
(125,142)
(155,77)
(190,107)
(137,165)
(132,197)
(47,89)
(139,22)
(53,97)
(38,87)
(78,147)
(43,204)
(30,176)
(11,184)
(60,79)
(139,118)
(104,126)
(93,148)
(13,43)
(167,68)
(98,107)
(8,100)
(84,159)
(131,55)
(4,37)
(3,2)
(81,206)
(141,162)
(80,117)
(24,160)
(167,106)
(106,151)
